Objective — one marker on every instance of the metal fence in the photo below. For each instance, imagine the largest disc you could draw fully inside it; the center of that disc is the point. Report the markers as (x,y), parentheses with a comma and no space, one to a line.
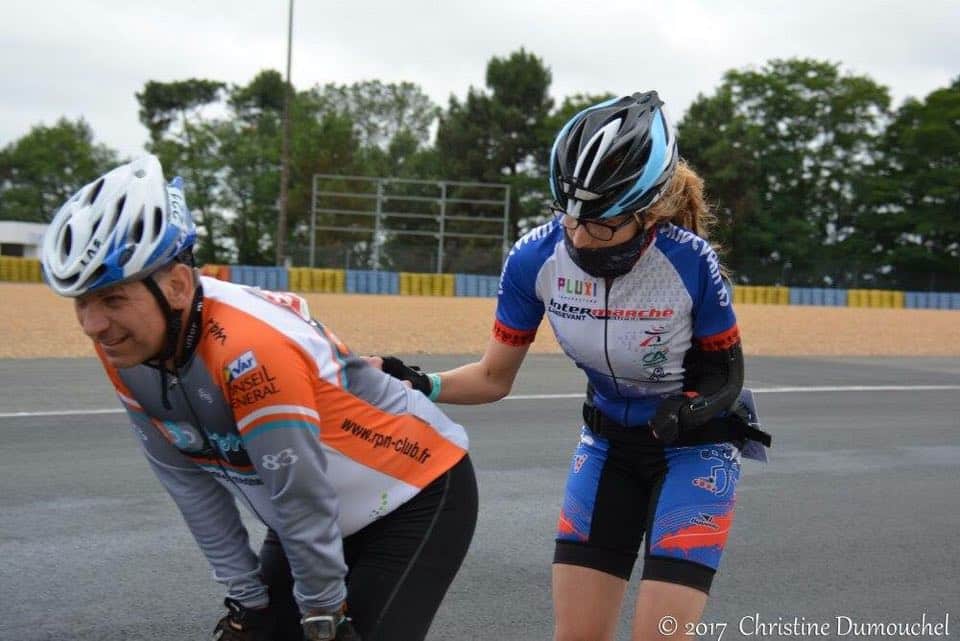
(363,222)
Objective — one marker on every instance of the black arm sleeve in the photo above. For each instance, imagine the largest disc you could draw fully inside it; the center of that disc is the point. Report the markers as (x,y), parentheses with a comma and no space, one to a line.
(716,377)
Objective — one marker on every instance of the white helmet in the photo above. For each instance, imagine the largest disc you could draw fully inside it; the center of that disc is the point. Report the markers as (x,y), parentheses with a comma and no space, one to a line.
(121,227)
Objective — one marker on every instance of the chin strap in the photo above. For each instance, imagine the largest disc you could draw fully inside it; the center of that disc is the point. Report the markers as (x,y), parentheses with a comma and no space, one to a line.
(173,321)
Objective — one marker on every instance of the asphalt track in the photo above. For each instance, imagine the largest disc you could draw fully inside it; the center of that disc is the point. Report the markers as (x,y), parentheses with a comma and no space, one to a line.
(856,515)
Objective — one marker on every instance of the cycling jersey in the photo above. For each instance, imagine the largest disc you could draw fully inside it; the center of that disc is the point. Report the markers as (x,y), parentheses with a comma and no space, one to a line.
(269,406)
(628,334)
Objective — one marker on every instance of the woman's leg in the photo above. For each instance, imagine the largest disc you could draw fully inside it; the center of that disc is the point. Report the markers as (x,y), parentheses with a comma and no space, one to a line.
(402,564)
(586,603)
(665,611)
(598,537)
(691,516)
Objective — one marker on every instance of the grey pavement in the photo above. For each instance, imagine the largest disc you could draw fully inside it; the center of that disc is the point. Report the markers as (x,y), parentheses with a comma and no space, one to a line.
(856,515)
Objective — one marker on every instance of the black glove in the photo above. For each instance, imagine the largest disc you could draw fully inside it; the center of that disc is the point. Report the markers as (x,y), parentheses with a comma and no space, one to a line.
(244,624)
(667,423)
(398,369)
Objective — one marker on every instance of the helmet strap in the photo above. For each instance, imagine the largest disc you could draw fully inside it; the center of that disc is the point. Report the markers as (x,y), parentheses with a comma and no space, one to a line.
(173,320)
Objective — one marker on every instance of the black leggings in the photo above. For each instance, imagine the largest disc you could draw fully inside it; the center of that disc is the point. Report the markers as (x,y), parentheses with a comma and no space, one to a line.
(399,566)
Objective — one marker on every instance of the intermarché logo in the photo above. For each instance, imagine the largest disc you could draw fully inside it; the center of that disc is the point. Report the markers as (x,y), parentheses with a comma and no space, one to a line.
(377,440)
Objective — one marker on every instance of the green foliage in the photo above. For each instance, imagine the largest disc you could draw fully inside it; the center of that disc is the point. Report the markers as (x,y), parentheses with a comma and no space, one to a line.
(382,112)
(163,102)
(784,148)
(502,135)
(913,229)
(814,180)
(41,170)
(187,144)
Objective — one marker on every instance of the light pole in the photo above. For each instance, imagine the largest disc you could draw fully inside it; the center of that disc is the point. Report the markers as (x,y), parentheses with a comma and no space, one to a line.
(281,242)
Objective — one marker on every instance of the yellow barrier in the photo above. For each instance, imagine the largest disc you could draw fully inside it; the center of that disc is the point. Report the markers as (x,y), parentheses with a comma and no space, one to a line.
(759,295)
(34,273)
(880,298)
(20,270)
(781,295)
(416,284)
(295,279)
(326,281)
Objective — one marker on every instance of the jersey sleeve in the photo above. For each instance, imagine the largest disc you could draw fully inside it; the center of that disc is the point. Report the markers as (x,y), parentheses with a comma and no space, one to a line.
(209,511)
(276,410)
(714,321)
(519,308)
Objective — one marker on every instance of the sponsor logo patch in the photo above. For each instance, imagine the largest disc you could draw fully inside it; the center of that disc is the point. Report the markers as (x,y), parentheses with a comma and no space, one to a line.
(578,462)
(244,364)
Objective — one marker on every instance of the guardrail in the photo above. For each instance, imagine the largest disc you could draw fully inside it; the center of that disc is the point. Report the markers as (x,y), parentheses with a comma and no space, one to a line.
(357,281)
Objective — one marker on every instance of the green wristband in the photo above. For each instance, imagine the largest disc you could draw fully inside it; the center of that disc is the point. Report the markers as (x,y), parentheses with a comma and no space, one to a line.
(434,386)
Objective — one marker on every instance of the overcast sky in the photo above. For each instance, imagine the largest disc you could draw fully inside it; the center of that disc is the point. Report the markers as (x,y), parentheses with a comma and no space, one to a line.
(88,57)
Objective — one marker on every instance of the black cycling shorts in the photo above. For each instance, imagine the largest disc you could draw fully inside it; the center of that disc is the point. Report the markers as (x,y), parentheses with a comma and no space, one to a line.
(681,498)
(399,566)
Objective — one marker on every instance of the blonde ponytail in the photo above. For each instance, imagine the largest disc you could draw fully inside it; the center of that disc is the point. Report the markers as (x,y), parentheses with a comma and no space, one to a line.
(683,203)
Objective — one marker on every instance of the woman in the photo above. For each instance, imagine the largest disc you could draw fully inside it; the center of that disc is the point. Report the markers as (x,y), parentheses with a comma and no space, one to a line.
(635,296)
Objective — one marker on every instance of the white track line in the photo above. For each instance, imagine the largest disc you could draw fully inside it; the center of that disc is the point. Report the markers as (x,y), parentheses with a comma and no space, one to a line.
(537,397)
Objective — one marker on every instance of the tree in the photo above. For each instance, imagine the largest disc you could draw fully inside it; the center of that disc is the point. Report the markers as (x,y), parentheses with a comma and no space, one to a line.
(250,140)
(501,135)
(801,135)
(186,143)
(913,225)
(381,112)
(44,168)
(323,141)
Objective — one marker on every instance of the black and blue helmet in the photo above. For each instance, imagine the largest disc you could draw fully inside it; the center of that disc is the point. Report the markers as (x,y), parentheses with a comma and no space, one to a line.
(613,158)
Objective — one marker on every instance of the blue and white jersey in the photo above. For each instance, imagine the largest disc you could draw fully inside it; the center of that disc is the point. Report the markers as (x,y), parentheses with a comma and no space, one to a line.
(630,334)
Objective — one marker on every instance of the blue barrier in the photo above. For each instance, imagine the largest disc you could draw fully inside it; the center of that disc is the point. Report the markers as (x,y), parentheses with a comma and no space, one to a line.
(818,296)
(932,300)
(835,297)
(274,278)
(474,285)
(365,281)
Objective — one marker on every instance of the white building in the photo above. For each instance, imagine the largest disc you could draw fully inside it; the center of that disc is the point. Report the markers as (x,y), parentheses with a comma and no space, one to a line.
(21,239)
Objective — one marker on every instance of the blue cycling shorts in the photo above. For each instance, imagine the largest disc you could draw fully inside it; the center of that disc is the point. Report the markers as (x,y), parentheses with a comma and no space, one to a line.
(678,501)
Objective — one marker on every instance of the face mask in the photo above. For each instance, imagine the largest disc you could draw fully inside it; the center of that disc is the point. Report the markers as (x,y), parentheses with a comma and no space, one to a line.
(607,262)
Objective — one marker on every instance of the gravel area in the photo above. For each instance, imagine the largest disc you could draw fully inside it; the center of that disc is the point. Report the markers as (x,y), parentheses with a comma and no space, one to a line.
(39,324)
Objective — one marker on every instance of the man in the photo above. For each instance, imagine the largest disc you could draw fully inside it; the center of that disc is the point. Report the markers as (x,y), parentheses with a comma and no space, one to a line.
(236,393)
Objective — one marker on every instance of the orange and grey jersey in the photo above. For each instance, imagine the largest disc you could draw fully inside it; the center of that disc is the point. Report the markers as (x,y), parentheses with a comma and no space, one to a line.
(269,406)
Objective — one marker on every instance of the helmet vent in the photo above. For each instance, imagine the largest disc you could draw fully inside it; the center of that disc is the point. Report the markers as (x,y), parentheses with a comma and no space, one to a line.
(590,155)
(95,192)
(120,204)
(96,225)
(157,220)
(574,143)
(136,233)
(126,254)
(97,273)
(67,240)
